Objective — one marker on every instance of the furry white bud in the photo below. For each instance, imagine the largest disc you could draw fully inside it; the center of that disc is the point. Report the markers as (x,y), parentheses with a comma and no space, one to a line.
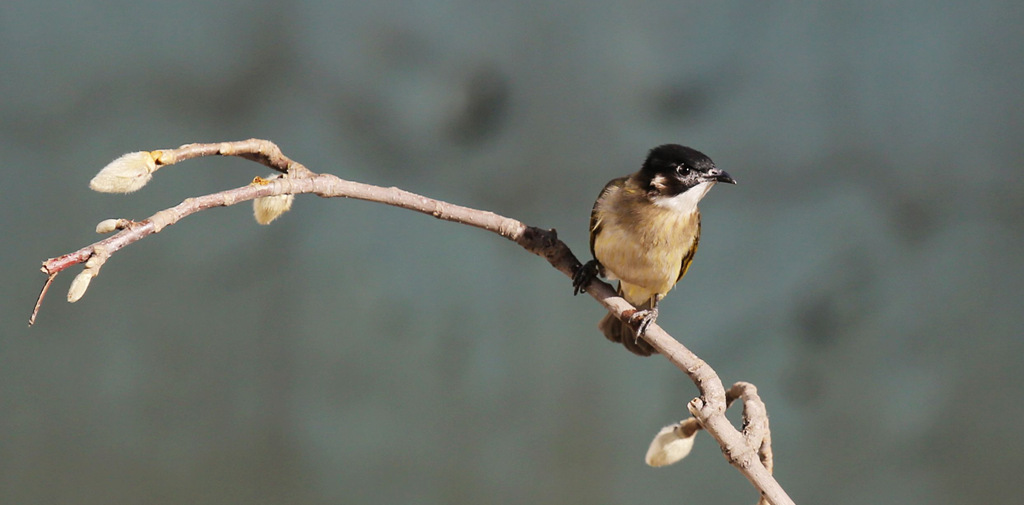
(268,208)
(128,173)
(80,284)
(672,443)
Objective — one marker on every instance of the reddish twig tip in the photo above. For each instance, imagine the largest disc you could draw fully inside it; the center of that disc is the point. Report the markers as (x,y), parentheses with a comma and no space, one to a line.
(39,299)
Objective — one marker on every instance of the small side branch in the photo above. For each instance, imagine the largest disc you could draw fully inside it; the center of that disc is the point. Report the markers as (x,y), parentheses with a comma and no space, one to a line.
(39,299)
(261,151)
(755,421)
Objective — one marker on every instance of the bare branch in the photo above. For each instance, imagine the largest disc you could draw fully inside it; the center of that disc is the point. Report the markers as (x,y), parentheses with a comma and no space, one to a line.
(39,299)
(748,451)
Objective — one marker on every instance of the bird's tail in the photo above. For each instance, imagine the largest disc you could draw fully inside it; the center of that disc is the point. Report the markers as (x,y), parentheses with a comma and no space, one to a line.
(618,331)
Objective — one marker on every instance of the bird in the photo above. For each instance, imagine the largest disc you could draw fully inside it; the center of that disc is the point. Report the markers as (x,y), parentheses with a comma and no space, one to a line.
(644,231)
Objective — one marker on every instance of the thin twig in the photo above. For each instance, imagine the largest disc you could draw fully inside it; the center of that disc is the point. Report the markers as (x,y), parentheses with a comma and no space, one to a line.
(709,408)
(39,299)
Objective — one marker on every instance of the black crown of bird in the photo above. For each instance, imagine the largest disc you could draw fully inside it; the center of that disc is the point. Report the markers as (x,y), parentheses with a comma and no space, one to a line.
(644,231)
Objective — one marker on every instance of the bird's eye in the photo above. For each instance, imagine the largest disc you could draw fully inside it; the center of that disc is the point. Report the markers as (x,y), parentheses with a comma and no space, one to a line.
(682,169)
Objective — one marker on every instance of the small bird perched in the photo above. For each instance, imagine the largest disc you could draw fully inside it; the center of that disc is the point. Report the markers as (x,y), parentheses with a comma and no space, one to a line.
(644,231)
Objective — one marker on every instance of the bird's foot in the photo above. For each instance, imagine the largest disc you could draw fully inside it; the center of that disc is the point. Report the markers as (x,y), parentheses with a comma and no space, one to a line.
(643,319)
(583,275)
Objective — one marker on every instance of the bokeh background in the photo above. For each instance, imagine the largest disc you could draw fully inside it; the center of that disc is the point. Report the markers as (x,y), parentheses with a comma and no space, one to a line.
(866,272)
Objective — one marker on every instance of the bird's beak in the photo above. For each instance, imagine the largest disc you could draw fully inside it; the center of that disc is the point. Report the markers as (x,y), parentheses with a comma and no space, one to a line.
(720,176)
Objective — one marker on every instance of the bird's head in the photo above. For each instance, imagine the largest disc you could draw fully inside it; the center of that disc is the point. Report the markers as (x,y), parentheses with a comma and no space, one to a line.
(678,176)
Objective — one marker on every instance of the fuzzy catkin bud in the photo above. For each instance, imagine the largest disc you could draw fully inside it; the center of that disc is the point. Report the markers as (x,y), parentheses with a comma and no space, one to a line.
(128,173)
(268,208)
(672,443)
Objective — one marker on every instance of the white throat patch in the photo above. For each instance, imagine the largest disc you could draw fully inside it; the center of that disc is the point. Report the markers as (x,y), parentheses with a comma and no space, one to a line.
(686,202)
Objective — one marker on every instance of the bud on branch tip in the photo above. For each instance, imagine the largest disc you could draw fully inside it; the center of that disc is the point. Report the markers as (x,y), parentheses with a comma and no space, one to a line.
(128,173)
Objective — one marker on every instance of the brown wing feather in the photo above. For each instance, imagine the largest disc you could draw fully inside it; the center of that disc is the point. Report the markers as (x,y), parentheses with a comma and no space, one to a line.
(688,257)
(595,222)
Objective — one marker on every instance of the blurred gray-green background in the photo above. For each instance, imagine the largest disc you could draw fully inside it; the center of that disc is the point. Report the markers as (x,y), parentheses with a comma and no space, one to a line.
(866,273)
